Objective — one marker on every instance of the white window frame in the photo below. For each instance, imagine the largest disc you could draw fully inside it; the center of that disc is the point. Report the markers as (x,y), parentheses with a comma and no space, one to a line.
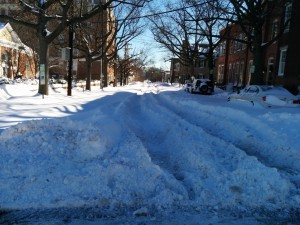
(241,72)
(287,16)
(94,2)
(249,71)
(221,73)
(202,63)
(274,31)
(282,60)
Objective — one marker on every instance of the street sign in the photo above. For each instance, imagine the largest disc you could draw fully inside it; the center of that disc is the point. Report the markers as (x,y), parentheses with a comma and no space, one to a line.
(42,74)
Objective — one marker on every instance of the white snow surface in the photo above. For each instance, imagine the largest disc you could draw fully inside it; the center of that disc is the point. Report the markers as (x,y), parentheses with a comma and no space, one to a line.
(148,150)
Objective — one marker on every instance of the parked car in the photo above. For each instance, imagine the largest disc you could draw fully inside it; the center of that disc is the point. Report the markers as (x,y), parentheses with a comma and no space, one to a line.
(202,86)
(52,81)
(187,87)
(61,81)
(4,80)
(268,96)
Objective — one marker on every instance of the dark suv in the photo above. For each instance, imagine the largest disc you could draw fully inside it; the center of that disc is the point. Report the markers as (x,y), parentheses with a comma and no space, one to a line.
(202,86)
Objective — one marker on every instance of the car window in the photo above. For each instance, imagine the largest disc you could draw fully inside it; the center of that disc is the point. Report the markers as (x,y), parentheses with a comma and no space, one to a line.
(246,90)
(253,90)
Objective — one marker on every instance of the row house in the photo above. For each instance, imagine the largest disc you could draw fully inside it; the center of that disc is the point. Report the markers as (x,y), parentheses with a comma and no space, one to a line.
(281,65)
(15,57)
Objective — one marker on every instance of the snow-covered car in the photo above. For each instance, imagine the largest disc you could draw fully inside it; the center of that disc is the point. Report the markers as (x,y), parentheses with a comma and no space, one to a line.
(61,81)
(4,80)
(187,87)
(268,96)
(202,86)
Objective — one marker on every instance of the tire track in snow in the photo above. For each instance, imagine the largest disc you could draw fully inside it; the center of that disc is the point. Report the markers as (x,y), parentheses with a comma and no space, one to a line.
(171,140)
(250,140)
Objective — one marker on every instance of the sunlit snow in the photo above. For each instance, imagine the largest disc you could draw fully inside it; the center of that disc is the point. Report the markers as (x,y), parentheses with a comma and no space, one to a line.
(147,149)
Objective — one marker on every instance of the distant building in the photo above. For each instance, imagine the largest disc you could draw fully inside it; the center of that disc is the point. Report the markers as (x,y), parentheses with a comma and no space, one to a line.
(166,76)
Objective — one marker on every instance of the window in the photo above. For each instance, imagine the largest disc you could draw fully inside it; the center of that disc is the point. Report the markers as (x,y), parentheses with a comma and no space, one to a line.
(236,73)
(230,73)
(232,77)
(252,89)
(224,47)
(241,73)
(240,43)
(220,74)
(250,71)
(288,15)
(282,61)
(202,64)
(94,2)
(274,31)
(235,46)
(231,47)
(221,49)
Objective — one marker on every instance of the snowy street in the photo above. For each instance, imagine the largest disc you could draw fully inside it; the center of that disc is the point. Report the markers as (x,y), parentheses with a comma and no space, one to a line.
(146,154)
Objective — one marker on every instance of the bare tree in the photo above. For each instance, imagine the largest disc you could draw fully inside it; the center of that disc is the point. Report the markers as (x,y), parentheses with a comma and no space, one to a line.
(209,18)
(190,30)
(50,17)
(171,32)
(154,74)
(116,29)
(131,65)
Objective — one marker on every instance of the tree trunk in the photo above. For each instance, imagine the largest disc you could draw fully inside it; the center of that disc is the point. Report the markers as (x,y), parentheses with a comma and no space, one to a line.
(44,70)
(211,67)
(105,71)
(89,73)
(257,77)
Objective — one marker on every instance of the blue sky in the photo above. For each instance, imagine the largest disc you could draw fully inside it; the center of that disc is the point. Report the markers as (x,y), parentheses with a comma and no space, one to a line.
(153,51)
(146,42)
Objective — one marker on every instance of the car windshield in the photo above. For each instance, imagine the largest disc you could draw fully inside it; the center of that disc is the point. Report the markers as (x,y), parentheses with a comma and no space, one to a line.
(266,88)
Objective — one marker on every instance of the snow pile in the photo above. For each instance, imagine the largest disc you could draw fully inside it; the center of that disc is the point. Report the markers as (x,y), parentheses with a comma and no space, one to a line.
(147,148)
(212,164)
(53,163)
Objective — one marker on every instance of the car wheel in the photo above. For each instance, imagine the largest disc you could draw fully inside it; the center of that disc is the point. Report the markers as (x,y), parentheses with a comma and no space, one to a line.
(192,91)
(204,89)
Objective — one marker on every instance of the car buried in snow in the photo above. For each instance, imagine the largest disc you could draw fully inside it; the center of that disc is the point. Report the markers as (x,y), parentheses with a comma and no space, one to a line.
(187,87)
(4,80)
(201,86)
(267,96)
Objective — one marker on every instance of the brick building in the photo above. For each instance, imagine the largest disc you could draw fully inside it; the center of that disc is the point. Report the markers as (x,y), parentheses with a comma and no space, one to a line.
(235,61)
